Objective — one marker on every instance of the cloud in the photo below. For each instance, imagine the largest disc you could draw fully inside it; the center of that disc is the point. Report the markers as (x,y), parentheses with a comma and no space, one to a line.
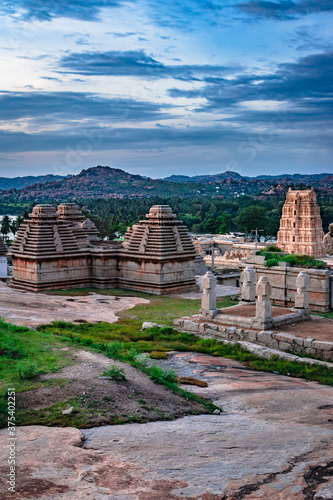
(303,83)
(134,63)
(75,105)
(84,10)
(285,9)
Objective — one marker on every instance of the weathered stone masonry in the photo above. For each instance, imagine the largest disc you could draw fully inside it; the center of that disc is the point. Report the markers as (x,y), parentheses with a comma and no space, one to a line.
(61,249)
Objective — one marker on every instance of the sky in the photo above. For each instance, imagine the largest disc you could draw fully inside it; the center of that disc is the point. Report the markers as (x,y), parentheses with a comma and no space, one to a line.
(160,88)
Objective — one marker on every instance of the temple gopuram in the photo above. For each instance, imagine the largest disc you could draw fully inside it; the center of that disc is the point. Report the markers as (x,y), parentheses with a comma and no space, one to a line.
(301,230)
(61,249)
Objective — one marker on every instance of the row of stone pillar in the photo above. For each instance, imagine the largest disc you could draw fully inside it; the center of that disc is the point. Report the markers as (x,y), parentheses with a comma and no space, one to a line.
(259,294)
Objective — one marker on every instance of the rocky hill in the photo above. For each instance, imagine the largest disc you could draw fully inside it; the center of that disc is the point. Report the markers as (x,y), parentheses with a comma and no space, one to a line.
(22,182)
(106,182)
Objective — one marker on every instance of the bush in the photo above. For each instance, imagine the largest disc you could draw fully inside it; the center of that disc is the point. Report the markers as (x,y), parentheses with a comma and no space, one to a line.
(115,373)
(159,355)
(160,376)
(272,248)
(28,371)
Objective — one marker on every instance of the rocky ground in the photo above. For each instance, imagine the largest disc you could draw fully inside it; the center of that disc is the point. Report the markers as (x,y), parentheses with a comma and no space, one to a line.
(31,309)
(273,440)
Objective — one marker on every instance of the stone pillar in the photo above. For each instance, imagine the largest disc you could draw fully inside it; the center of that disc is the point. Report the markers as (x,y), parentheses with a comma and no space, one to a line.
(263,304)
(248,286)
(302,293)
(208,300)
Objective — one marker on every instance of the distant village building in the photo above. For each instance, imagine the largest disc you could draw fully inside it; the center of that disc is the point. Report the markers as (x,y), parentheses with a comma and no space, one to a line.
(57,249)
(301,230)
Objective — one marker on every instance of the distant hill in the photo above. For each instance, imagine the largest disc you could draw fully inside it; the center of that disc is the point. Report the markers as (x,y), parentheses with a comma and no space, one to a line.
(204,178)
(98,182)
(107,182)
(22,182)
(297,178)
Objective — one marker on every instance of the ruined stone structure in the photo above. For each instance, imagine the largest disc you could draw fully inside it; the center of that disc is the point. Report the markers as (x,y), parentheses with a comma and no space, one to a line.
(328,241)
(283,282)
(61,249)
(301,230)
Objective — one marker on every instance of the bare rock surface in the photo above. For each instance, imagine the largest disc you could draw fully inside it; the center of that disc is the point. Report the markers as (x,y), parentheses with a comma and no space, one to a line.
(31,309)
(274,440)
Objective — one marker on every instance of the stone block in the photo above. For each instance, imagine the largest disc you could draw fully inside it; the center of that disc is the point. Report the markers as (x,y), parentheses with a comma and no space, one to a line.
(284,346)
(265,337)
(191,326)
(212,333)
(274,344)
(221,328)
(178,322)
(222,335)
(308,342)
(202,328)
(211,326)
(323,346)
(285,337)
(299,341)
(252,335)
(231,330)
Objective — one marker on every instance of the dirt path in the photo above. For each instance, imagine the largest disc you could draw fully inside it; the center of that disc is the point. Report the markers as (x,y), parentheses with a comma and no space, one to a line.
(274,441)
(101,401)
(32,309)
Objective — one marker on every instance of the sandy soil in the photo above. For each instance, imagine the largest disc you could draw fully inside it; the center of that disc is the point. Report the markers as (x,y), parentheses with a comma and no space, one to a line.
(318,328)
(105,401)
(31,309)
(249,311)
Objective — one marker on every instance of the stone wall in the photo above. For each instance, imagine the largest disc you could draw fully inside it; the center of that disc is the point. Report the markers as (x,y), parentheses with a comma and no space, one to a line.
(282,341)
(283,282)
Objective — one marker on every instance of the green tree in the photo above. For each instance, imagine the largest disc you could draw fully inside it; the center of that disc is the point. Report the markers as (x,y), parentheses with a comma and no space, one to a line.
(15,224)
(5,226)
(251,217)
(223,222)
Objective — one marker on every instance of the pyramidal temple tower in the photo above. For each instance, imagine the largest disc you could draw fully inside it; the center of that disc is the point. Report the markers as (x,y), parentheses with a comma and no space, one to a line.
(158,250)
(301,229)
(62,249)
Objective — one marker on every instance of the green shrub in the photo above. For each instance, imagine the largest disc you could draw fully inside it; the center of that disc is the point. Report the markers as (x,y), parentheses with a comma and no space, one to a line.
(115,373)
(272,248)
(159,355)
(160,376)
(28,371)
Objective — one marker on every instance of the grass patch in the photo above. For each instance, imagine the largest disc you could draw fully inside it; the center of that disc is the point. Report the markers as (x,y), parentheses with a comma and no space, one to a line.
(128,347)
(273,257)
(115,373)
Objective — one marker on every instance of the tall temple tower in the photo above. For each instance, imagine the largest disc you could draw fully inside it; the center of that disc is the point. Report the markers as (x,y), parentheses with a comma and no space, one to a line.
(301,229)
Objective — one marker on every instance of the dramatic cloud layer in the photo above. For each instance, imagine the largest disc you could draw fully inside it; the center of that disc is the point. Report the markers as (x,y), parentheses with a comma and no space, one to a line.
(74,106)
(285,9)
(86,10)
(134,63)
(180,86)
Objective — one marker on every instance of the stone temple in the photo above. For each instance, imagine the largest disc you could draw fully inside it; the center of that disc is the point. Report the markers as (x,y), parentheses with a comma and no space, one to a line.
(301,230)
(60,248)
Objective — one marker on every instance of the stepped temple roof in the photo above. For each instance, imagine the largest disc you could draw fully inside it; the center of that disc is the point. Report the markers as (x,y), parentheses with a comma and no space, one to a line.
(160,234)
(62,249)
(45,234)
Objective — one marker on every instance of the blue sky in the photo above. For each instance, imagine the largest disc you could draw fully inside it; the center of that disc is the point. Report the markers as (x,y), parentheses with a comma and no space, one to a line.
(160,88)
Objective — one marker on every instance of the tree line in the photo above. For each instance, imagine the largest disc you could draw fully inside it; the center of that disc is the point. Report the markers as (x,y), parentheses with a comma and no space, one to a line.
(209,215)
